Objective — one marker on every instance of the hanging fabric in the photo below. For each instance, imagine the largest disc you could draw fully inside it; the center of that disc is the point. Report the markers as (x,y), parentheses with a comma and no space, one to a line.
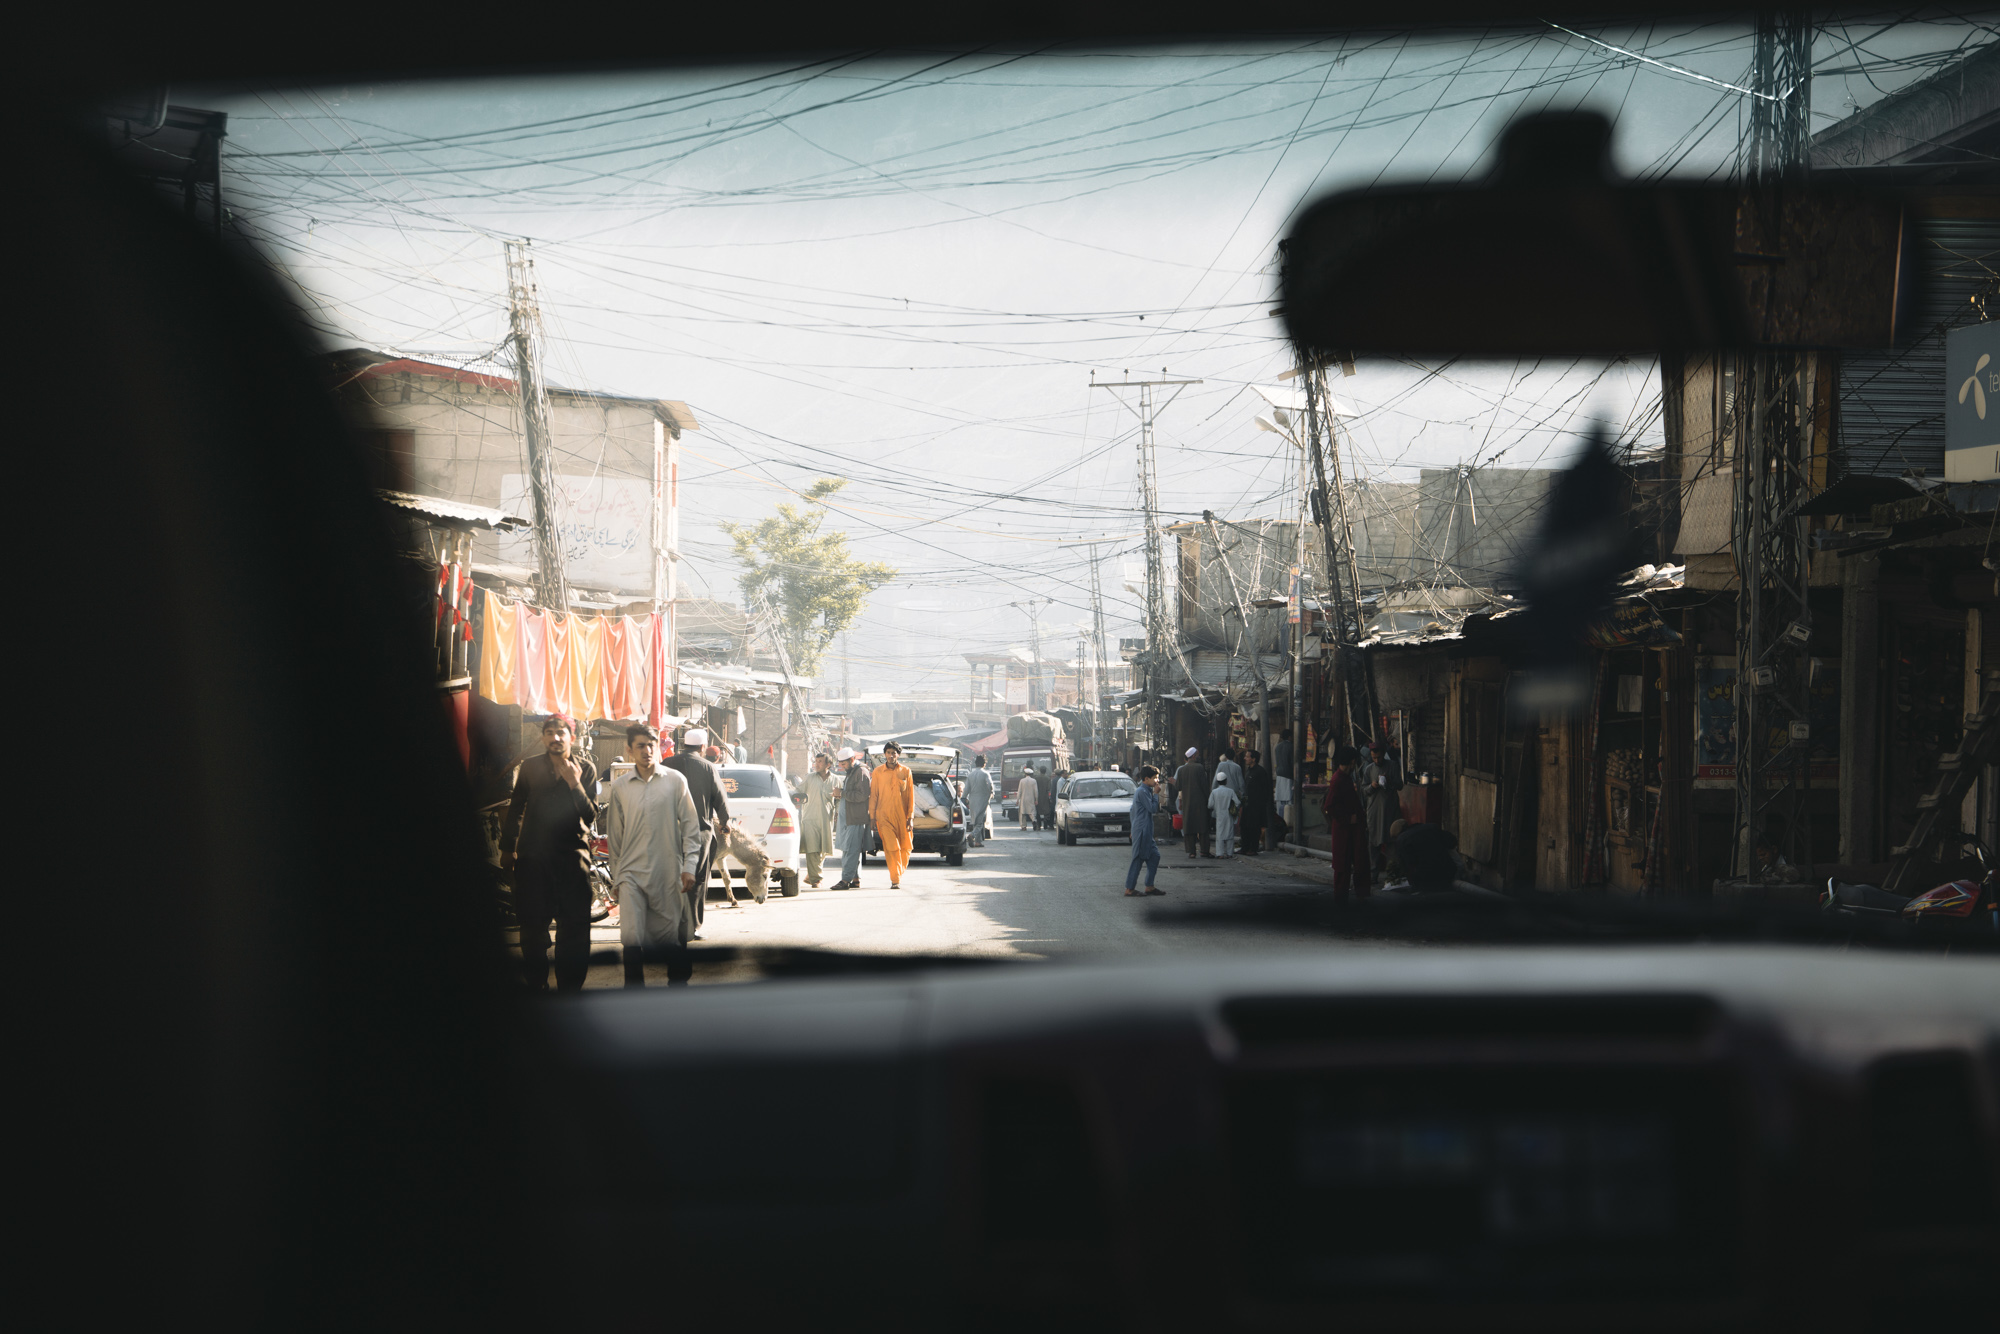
(589,667)
(498,641)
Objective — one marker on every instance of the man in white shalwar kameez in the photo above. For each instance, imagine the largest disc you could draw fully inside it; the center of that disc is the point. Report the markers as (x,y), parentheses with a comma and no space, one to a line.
(656,843)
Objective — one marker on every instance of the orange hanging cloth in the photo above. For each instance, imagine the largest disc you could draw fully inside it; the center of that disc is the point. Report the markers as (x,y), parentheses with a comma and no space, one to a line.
(499,650)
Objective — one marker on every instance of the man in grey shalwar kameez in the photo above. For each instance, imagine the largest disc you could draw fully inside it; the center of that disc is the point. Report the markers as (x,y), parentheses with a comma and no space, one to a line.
(978,796)
(656,842)
(820,794)
(1380,780)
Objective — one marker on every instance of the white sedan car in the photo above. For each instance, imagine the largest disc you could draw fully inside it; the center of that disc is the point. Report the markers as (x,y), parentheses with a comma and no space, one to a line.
(757,800)
(1096,804)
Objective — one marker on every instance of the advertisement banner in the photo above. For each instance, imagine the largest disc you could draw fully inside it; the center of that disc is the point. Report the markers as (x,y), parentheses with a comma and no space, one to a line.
(1715,722)
(1715,727)
(1972,403)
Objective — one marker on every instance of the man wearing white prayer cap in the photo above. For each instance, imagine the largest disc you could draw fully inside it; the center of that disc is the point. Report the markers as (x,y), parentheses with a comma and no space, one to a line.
(1192,782)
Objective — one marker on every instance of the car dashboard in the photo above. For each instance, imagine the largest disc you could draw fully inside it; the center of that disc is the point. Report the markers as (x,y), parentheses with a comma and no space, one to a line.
(1640,1139)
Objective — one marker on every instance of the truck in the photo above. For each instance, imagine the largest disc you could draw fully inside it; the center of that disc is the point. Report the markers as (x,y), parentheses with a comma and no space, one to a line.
(1047,759)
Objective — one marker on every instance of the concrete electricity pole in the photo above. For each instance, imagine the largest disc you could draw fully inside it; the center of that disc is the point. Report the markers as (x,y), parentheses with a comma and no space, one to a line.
(524,318)
(1159,629)
(1773,616)
(1033,606)
(1099,669)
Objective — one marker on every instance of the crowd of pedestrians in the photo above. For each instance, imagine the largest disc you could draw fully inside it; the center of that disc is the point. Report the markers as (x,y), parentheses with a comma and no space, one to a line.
(664,821)
(1234,807)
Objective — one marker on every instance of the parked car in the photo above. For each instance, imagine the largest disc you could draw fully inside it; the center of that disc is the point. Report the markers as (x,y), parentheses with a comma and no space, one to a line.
(1094,804)
(757,798)
(940,816)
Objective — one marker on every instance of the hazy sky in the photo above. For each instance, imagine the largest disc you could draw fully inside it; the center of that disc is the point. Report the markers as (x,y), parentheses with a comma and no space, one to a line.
(906,271)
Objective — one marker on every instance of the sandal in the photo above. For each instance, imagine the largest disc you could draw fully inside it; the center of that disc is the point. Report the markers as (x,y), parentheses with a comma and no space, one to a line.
(1134,894)
(1156,893)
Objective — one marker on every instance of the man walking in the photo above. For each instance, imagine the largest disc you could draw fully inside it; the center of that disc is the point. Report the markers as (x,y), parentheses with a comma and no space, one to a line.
(1027,800)
(1045,807)
(1192,782)
(817,817)
(978,796)
(853,807)
(892,805)
(1259,806)
(705,786)
(1227,770)
(657,845)
(1281,777)
(1381,780)
(1145,852)
(546,841)
(1222,804)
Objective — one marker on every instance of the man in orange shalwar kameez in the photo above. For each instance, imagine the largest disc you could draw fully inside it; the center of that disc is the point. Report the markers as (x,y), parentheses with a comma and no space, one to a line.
(892,805)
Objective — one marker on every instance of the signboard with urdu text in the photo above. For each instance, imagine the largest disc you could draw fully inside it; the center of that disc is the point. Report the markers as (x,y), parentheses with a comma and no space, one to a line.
(607,527)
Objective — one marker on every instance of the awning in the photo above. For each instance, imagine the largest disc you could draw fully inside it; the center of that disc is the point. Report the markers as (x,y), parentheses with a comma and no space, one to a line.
(454,512)
(987,744)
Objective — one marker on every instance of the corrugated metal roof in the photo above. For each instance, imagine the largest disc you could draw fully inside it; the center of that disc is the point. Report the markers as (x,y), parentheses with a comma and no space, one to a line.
(454,511)
(1892,403)
(741,677)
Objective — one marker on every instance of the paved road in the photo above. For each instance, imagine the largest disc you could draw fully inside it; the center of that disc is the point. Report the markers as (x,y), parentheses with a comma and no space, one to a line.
(1020,896)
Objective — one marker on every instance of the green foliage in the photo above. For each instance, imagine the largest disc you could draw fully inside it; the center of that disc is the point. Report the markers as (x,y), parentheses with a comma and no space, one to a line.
(816,587)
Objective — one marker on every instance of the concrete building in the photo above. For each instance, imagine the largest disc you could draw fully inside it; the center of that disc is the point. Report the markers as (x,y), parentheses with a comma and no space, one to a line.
(443,431)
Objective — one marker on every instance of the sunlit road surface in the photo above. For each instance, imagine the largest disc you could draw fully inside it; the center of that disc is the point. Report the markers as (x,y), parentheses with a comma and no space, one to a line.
(1020,897)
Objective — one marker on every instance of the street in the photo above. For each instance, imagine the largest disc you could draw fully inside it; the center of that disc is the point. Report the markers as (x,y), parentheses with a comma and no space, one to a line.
(1020,897)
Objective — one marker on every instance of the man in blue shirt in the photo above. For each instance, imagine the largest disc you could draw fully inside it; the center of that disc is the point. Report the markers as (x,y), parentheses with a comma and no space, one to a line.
(1145,805)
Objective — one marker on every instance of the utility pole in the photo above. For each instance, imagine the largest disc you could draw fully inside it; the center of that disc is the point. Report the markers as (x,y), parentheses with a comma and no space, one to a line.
(1329,507)
(1159,627)
(524,320)
(1773,616)
(1248,640)
(1036,697)
(815,738)
(1099,667)
(1081,659)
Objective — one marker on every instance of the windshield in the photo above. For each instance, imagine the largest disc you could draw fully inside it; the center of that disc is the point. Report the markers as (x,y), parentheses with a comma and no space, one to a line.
(953,396)
(1084,788)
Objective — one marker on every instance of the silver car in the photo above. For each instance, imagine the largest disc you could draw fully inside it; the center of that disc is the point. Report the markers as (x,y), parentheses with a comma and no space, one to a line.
(1095,804)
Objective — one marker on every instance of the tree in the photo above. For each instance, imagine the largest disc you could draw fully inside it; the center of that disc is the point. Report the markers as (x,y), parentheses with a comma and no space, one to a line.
(814,584)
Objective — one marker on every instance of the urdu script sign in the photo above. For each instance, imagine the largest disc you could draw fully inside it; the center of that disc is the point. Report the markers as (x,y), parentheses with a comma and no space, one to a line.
(607,527)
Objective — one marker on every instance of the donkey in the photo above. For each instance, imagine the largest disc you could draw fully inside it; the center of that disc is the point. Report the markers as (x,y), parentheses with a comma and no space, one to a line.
(744,849)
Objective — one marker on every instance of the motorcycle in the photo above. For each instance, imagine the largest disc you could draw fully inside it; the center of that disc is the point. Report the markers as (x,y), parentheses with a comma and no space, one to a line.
(602,900)
(1961,900)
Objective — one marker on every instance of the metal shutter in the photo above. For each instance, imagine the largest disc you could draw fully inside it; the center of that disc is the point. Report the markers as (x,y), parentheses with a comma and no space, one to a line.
(1891,416)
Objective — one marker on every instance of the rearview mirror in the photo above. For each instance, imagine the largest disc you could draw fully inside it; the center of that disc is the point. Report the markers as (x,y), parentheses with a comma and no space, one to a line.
(1554,255)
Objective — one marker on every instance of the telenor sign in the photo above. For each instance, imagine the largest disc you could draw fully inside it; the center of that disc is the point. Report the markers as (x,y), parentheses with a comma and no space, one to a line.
(1972,403)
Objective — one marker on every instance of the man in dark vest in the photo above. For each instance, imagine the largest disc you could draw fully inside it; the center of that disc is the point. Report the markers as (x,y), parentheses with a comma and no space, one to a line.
(545,840)
(1259,802)
(1192,782)
(705,786)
